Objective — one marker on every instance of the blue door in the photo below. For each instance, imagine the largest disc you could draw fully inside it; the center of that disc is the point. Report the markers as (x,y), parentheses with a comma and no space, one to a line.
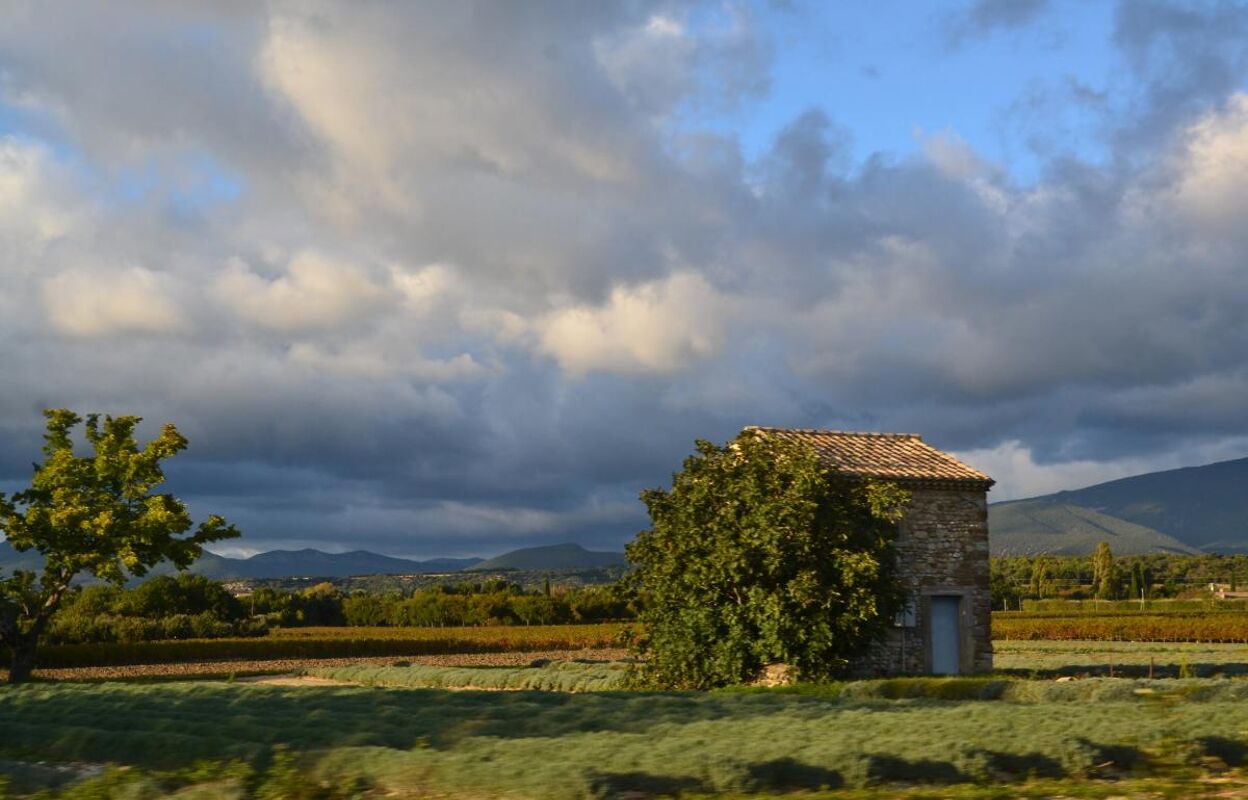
(946,634)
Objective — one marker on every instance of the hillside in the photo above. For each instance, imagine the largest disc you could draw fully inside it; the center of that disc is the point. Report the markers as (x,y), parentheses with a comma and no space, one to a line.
(1032,527)
(278,564)
(1206,507)
(318,564)
(1200,507)
(551,557)
(315,563)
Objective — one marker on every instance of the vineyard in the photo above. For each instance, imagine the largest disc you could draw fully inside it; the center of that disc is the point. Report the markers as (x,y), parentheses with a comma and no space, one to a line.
(302,643)
(1229,627)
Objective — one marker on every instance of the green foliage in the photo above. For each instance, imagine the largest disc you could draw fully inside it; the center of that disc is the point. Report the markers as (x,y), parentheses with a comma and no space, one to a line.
(93,514)
(1156,575)
(165,607)
(1106,578)
(470,603)
(758,555)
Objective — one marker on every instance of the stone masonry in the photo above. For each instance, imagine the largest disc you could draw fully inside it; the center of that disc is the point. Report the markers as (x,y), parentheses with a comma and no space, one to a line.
(942,549)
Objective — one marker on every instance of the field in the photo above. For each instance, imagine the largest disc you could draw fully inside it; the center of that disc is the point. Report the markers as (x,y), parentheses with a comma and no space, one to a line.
(504,712)
(404,742)
(1123,626)
(1086,657)
(305,643)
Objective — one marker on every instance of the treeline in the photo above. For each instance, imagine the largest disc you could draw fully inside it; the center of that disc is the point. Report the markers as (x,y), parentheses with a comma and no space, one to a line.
(1107,577)
(165,607)
(194,607)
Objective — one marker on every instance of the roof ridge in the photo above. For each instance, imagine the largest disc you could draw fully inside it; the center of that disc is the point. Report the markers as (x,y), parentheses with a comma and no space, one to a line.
(833,431)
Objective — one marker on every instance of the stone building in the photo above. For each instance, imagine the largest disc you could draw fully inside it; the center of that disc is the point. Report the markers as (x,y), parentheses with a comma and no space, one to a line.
(942,547)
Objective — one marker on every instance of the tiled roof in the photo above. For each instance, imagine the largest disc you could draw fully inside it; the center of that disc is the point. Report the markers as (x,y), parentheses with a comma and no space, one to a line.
(902,457)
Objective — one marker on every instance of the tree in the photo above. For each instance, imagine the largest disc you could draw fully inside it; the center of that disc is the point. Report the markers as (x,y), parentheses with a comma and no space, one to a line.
(1105,578)
(757,555)
(1041,582)
(92,514)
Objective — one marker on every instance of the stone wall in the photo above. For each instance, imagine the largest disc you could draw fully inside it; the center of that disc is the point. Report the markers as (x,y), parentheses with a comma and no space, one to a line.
(942,547)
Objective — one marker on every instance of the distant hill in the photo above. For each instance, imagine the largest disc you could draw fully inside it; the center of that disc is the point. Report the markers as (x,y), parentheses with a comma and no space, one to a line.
(311,563)
(1198,507)
(319,564)
(1032,527)
(1206,507)
(279,564)
(552,557)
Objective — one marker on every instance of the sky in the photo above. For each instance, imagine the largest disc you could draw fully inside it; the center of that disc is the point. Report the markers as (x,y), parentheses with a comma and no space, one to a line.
(452,278)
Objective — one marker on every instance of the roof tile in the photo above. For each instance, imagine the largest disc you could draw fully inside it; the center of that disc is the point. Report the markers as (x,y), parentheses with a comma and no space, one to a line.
(902,457)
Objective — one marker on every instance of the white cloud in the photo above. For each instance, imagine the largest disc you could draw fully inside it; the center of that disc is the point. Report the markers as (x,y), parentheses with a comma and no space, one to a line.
(316,293)
(1213,169)
(25,205)
(424,289)
(371,359)
(659,326)
(100,302)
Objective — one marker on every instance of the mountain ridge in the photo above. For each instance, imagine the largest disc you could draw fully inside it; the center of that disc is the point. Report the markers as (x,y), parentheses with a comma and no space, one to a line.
(552,556)
(313,563)
(1201,508)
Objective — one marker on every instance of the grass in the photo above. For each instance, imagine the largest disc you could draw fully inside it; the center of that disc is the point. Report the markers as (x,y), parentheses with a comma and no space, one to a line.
(556,676)
(604,744)
(1074,657)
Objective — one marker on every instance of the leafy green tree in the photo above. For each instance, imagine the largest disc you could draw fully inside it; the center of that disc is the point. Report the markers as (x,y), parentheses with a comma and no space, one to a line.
(94,515)
(756,555)
(1105,577)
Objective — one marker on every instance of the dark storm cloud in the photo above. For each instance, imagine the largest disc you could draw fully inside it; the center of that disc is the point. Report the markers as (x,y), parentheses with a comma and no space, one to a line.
(480,282)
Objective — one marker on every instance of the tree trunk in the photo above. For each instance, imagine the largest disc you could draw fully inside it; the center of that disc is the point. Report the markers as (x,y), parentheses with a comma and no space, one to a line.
(23,659)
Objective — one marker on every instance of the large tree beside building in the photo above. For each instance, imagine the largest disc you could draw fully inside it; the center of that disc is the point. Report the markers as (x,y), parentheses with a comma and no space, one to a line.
(93,515)
(758,555)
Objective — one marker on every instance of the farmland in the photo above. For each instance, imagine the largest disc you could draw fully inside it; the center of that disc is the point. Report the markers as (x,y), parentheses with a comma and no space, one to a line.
(542,711)
(1124,626)
(337,642)
(401,742)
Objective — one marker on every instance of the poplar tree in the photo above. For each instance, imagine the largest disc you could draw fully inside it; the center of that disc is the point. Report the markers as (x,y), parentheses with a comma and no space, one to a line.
(1104,575)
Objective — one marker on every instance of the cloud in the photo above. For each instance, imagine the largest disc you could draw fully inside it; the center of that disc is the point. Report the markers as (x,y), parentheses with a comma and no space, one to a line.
(451,278)
(26,206)
(1213,169)
(660,326)
(315,292)
(100,303)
